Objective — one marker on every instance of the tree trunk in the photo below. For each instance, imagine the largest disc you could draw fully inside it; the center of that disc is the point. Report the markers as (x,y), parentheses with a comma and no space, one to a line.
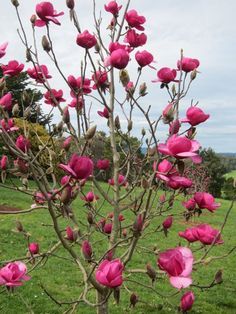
(102,309)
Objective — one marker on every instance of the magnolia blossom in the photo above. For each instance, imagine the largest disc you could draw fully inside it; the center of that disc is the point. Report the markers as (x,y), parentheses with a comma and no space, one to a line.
(167,223)
(104,113)
(39,73)
(113,7)
(100,79)
(143,58)
(71,235)
(180,147)
(109,273)
(134,39)
(79,167)
(3,48)
(4,162)
(23,143)
(87,250)
(103,164)
(195,116)
(12,68)
(81,85)
(166,75)
(188,64)
(86,40)
(118,59)
(135,20)
(177,263)
(54,97)
(90,197)
(107,228)
(46,14)
(33,248)
(187,301)
(6,101)
(77,103)
(206,200)
(13,274)
(190,204)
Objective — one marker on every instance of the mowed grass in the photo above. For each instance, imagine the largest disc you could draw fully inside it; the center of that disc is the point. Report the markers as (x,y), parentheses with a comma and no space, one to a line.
(64,281)
(231,174)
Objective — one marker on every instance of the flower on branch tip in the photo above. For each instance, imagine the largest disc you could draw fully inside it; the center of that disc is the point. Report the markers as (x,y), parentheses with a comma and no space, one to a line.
(109,273)
(113,8)
(206,201)
(195,116)
(54,97)
(187,301)
(86,40)
(188,64)
(3,48)
(13,274)
(46,14)
(12,68)
(39,73)
(166,75)
(135,20)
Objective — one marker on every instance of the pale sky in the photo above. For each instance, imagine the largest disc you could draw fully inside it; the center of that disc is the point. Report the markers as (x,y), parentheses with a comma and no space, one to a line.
(205,29)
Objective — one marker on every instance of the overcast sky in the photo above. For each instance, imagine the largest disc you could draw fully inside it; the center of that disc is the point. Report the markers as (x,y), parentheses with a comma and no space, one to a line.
(205,29)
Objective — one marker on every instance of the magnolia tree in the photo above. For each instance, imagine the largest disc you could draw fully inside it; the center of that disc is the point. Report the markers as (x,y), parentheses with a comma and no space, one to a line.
(141,192)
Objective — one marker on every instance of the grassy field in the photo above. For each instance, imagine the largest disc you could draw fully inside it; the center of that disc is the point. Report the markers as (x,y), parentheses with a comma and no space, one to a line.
(63,279)
(231,174)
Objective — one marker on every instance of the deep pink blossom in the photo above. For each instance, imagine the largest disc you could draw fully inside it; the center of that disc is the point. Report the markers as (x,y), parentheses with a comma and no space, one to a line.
(87,250)
(100,79)
(54,97)
(71,235)
(190,204)
(104,113)
(6,101)
(195,116)
(103,164)
(12,68)
(34,248)
(180,147)
(144,58)
(77,103)
(4,162)
(188,64)
(121,180)
(166,75)
(109,273)
(177,263)
(174,127)
(167,223)
(187,301)
(90,197)
(67,143)
(13,274)
(8,125)
(79,167)
(206,200)
(135,20)
(46,14)
(86,40)
(189,235)
(118,59)
(134,39)
(113,7)
(39,73)
(81,85)
(107,228)
(23,143)
(3,48)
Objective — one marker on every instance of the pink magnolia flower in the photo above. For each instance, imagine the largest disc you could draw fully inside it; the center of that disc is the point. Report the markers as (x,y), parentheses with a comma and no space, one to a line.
(188,64)
(166,75)
(162,198)
(8,125)
(187,301)
(103,164)
(180,147)
(39,73)
(177,263)
(113,7)
(87,250)
(109,273)
(174,127)
(189,235)
(23,143)
(143,58)
(104,113)
(3,48)
(195,116)
(138,225)
(167,223)
(4,162)
(190,204)
(81,85)
(101,80)
(34,248)
(86,40)
(13,274)
(6,101)
(67,142)
(134,39)
(135,20)
(40,199)
(207,235)
(118,59)
(46,14)
(116,45)
(54,97)
(71,235)
(77,103)
(206,200)
(90,197)
(176,182)
(79,167)
(12,68)
(107,228)
(121,180)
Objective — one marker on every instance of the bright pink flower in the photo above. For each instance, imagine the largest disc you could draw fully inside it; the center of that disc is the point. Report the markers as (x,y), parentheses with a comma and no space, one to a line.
(177,263)
(187,301)
(67,142)
(130,87)
(207,235)
(190,204)
(6,101)
(12,68)
(174,127)
(90,197)
(135,20)
(121,180)
(144,58)
(46,13)
(107,228)
(166,75)
(103,164)
(134,39)
(87,250)
(86,40)
(39,73)
(180,147)
(77,103)
(71,235)
(195,116)
(13,274)
(162,198)
(104,113)
(3,48)
(118,59)
(113,7)
(109,273)
(81,85)
(189,235)
(177,182)
(101,80)
(79,167)
(8,125)
(4,162)
(188,64)
(206,200)
(34,248)
(167,223)
(138,225)
(54,97)
(40,199)
(23,143)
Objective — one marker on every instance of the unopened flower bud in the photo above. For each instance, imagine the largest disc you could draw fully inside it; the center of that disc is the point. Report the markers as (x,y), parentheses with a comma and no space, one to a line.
(130,125)
(45,44)
(151,272)
(87,250)
(19,226)
(97,47)
(66,115)
(138,225)
(168,113)
(33,19)
(27,113)
(117,122)
(90,133)
(133,299)
(33,248)
(143,89)
(218,277)
(16,110)
(59,127)
(70,4)
(28,55)
(124,77)
(90,218)
(2,84)
(143,132)
(66,195)
(15,3)
(173,90)
(193,74)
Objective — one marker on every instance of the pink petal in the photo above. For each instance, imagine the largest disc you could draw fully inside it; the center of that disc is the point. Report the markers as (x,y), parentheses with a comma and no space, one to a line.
(180,282)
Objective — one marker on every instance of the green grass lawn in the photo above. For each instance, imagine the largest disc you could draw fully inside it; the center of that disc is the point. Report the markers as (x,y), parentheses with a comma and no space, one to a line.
(231,174)
(63,279)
